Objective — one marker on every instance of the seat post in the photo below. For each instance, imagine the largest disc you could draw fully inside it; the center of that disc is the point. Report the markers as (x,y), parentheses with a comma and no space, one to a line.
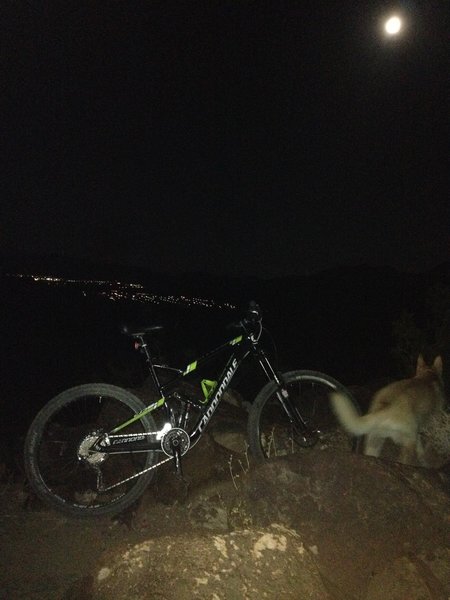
(143,346)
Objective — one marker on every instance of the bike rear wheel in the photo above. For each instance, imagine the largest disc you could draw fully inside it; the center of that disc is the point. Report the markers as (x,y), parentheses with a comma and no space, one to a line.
(272,433)
(61,465)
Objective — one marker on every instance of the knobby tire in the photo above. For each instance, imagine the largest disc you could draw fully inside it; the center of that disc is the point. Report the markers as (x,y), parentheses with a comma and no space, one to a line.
(270,432)
(51,451)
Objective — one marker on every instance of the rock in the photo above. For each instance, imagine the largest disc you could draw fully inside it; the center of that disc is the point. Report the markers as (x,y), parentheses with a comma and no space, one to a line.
(233,397)
(234,441)
(413,578)
(266,563)
(209,513)
(361,513)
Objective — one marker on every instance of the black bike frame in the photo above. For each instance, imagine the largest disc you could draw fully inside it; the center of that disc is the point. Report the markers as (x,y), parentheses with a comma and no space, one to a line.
(243,346)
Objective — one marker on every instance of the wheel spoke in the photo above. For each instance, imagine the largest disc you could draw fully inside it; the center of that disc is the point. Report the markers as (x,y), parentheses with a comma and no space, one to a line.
(61,462)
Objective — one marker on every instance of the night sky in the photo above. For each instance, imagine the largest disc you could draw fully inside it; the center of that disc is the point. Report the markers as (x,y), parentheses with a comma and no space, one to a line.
(243,138)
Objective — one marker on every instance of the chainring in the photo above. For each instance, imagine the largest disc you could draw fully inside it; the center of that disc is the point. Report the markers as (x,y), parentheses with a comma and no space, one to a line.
(175,438)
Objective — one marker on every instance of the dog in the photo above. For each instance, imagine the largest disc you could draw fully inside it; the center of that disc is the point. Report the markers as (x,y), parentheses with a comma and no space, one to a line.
(398,411)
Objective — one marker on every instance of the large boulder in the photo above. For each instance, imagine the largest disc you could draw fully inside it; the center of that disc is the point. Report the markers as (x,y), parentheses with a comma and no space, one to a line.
(269,563)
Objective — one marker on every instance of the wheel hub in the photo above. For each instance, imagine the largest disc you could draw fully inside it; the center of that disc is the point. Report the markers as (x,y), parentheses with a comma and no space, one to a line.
(308,438)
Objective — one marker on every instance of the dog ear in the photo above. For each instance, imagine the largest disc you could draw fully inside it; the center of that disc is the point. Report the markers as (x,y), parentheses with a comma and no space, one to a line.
(420,362)
(437,364)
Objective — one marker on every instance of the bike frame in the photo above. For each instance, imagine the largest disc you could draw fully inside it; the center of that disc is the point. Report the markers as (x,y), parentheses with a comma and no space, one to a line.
(242,346)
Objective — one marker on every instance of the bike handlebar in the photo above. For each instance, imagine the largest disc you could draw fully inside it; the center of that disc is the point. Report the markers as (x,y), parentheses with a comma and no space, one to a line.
(254,314)
(252,317)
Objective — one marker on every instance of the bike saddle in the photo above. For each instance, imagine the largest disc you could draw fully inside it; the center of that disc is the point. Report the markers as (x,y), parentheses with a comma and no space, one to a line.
(138,331)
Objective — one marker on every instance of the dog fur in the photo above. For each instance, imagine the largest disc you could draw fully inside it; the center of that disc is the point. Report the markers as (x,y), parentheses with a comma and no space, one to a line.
(398,411)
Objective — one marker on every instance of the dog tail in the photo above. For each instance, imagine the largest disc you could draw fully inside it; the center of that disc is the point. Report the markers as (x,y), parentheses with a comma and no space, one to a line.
(348,416)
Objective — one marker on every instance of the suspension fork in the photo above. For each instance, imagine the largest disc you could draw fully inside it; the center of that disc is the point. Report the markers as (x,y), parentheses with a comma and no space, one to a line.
(282,393)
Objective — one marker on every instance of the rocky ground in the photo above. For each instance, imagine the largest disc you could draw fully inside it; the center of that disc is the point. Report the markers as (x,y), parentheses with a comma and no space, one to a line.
(322,524)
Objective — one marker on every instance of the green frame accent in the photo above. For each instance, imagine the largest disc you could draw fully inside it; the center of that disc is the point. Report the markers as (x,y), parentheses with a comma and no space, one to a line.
(208,387)
(191,367)
(144,412)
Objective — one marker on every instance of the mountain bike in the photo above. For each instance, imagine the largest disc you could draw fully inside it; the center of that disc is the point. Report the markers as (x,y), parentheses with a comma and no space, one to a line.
(94,448)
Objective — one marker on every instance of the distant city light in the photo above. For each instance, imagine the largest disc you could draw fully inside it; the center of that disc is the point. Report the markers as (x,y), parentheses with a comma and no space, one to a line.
(118,291)
(393,25)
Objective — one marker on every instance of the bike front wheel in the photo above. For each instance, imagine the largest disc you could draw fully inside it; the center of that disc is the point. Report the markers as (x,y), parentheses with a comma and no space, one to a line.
(271,432)
(61,464)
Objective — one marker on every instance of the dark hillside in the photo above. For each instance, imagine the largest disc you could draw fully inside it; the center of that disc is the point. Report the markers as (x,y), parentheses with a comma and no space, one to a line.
(338,321)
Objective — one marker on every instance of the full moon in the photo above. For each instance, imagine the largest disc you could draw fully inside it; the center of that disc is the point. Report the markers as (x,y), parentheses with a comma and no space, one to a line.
(393,25)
